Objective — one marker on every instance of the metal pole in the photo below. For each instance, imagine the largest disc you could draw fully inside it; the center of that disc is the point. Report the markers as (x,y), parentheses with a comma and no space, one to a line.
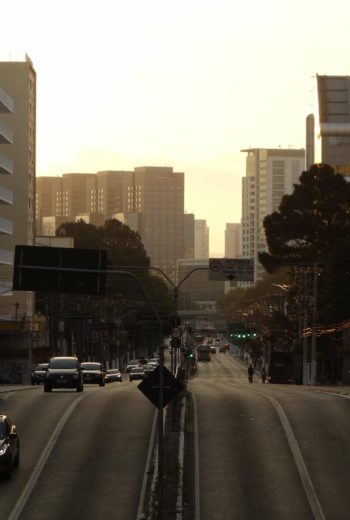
(314,321)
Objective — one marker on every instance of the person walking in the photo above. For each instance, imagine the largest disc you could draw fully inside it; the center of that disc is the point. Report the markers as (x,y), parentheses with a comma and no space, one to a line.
(263,374)
(250,373)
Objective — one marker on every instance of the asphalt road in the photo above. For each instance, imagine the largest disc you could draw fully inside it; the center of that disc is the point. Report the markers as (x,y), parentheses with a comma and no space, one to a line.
(82,455)
(274,452)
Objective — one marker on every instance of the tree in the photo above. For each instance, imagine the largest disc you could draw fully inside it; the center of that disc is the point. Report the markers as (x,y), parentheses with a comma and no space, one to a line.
(310,221)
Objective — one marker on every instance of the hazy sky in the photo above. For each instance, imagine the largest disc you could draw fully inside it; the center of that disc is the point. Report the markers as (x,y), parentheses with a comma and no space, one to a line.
(186,84)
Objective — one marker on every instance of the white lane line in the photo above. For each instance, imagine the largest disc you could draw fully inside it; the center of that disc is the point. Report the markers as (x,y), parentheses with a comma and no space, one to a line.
(140,511)
(196,460)
(299,461)
(21,502)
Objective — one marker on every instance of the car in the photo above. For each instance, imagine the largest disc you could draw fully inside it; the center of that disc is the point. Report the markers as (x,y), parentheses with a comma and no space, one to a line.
(38,373)
(64,372)
(148,368)
(93,372)
(227,346)
(9,446)
(213,350)
(113,374)
(130,366)
(136,373)
(222,349)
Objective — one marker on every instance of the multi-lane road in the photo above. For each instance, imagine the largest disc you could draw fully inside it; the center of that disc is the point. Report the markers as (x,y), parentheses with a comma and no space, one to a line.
(274,452)
(253,451)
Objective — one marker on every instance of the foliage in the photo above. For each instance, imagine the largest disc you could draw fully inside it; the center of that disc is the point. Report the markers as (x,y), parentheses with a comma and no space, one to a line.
(310,221)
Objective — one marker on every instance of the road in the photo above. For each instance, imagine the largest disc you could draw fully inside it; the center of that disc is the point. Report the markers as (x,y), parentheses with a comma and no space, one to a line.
(274,452)
(82,455)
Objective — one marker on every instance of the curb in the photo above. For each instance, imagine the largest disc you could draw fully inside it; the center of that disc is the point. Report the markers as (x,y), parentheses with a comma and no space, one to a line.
(181,455)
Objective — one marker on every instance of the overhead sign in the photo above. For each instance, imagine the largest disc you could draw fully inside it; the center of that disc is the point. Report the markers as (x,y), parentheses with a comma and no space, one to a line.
(59,269)
(235,269)
(150,386)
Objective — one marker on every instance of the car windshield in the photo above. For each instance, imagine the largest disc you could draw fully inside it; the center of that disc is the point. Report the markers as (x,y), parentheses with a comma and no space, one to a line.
(137,370)
(41,367)
(63,363)
(90,366)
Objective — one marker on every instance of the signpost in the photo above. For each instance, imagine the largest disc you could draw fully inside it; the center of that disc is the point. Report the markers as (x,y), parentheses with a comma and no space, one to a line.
(234,269)
(150,387)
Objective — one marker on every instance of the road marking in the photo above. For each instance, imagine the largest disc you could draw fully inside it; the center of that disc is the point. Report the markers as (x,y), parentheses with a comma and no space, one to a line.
(299,461)
(196,460)
(140,511)
(33,479)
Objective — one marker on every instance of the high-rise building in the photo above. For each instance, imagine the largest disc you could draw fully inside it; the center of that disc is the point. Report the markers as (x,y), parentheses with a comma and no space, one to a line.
(48,200)
(157,195)
(188,235)
(270,174)
(328,129)
(232,240)
(201,239)
(17,165)
(109,193)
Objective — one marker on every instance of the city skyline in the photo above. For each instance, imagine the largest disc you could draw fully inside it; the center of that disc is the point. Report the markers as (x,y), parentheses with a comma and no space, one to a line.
(186,85)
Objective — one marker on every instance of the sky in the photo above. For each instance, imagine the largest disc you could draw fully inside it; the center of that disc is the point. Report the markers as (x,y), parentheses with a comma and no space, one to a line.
(186,84)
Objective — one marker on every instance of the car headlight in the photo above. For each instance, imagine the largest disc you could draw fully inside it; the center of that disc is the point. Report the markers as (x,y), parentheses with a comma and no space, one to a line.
(3,449)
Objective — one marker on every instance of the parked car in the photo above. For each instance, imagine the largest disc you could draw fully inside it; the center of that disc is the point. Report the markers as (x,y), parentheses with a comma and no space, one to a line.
(9,446)
(93,372)
(136,373)
(38,373)
(213,350)
(64,372)
(113,374)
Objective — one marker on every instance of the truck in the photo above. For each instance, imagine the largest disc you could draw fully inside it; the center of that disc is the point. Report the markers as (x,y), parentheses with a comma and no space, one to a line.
(203,353)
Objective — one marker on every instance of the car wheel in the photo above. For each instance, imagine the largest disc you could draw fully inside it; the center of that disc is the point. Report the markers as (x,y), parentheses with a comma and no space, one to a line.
(47,388)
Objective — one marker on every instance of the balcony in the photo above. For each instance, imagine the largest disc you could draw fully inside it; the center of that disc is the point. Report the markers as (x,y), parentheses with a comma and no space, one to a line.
(6,103)
(6,134)
(6,196)
(6,165)
(5,226)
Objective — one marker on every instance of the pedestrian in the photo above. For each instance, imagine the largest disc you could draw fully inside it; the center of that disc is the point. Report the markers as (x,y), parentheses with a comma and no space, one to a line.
(250,373)
(263,374)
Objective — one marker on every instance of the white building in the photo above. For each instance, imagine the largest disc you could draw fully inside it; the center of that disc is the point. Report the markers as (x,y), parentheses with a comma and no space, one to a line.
(270,174)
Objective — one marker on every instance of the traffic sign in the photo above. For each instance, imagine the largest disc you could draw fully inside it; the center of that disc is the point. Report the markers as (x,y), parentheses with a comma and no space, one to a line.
(235,269)
(150,386)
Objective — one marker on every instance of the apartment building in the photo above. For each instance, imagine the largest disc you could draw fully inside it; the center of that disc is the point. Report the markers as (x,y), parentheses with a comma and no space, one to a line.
(189,235)
(17,168)
(270,174)
(328,129)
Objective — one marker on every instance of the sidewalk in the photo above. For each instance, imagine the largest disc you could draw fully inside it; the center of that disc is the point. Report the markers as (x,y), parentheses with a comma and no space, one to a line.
(4,389)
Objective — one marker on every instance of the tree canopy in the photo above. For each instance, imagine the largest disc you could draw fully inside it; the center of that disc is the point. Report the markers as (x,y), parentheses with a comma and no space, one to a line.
(310,221)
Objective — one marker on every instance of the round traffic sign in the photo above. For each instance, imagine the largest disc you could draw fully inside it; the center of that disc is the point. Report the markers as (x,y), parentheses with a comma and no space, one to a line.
(215,265)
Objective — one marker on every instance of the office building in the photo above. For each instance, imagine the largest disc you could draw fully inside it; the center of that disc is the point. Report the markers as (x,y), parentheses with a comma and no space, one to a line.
(157,195)
(270,174)
(328,129)
(201,239)
(17,168)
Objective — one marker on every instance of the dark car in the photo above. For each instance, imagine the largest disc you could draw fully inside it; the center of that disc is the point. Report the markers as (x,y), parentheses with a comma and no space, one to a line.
(136,373)
(64,372)
(9,446)
(38,373)
(93,372)
(113,374)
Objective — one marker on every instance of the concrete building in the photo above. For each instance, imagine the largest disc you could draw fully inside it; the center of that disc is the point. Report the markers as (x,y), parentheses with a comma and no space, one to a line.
(109,193)
(233,240)
(17,168)
(270,174)
(189,235)
(201,239)
(48,200)
(328,129)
